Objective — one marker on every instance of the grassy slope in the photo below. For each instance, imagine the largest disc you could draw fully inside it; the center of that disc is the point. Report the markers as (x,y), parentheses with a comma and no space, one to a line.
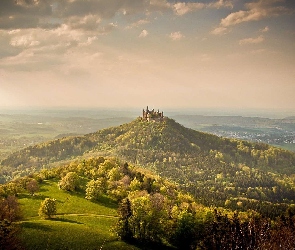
(79,223)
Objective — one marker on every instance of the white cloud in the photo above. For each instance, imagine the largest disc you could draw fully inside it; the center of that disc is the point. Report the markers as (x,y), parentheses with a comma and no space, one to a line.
(255,11)
(11,32)
(25,41)
(143,33)
(89,22)
(137,24)
(182,8)
(256,40)
(221,4)
(176,36)
(219,31)
(78,14)
(107,28)
(89,41)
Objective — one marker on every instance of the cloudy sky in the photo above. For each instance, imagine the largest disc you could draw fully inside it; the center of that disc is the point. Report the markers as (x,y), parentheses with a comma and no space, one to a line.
(163,53)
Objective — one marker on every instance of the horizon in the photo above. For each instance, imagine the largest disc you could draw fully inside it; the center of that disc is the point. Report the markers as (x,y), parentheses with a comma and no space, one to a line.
(137,111)
(196,54)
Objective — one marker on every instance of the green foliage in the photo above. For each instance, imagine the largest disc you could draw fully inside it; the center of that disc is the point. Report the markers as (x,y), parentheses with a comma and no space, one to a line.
(96,188)
(47,208)
(70,182)
(219,172)
(213,169)
(151,211)
(78,222)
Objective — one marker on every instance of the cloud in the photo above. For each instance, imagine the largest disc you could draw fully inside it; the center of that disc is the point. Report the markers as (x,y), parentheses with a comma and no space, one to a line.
(176,36)
(159,5)
(221,4)
(143,33)
(89,41)
(182,8)
(219,31)
(137,24)
(25,41)
(89,22)
(266,29)
(52,13)
(255,11)
(256,40)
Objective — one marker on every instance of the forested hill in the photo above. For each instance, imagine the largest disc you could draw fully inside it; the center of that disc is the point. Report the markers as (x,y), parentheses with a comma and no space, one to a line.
(216,170)
(147,142)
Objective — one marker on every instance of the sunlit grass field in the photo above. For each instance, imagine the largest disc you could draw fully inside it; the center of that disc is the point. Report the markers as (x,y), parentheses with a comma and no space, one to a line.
(79,223)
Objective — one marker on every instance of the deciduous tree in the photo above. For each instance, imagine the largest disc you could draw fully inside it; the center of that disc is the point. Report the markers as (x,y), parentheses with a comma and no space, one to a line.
(47,208)
(70,182)
(32,186)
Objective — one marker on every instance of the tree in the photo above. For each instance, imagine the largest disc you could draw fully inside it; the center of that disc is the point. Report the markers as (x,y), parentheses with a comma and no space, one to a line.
(123,228)
(186,231)
(47,208)
(9,208)
(96,188)
(32,186)
(70,182)
(135,185)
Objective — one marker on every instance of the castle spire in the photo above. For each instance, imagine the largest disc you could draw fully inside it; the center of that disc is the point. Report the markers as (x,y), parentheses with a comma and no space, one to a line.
(152,115)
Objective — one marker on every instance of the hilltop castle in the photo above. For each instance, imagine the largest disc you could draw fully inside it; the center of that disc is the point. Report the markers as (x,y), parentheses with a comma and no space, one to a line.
(152,115)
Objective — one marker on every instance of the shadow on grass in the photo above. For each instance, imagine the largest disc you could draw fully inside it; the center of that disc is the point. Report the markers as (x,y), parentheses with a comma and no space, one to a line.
(34,197)
(31,225)
(43,189)
(103,200)
(66,220)
(106,201)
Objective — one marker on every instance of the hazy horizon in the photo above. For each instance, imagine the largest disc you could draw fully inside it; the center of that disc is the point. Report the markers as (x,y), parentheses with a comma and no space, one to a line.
(195,55)
(112,112)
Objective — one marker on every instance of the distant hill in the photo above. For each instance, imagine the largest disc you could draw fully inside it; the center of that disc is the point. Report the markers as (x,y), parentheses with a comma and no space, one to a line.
(276,132)
(218,171)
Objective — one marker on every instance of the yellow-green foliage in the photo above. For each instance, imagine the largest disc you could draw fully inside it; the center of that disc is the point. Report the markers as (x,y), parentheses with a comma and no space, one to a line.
(47,208)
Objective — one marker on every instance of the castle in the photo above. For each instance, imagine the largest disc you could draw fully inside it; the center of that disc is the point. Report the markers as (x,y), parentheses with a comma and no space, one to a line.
(152,115)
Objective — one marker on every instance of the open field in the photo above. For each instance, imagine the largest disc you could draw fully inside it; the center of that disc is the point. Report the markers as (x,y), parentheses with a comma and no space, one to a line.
(79,223)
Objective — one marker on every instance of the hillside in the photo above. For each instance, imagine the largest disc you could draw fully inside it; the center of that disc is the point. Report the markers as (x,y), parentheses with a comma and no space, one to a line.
(101,203)
(277,132)
(218,171)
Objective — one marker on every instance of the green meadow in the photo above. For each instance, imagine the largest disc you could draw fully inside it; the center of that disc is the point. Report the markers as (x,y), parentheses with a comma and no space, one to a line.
(79,223)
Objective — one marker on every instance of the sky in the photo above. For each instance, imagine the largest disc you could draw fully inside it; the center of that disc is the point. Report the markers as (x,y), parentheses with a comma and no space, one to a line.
(231,54)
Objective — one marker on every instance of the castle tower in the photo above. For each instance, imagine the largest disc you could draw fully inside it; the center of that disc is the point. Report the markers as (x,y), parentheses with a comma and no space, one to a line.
(152,115)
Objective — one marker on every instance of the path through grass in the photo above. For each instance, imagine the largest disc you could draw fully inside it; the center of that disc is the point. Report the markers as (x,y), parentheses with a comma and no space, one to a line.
(79,223)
